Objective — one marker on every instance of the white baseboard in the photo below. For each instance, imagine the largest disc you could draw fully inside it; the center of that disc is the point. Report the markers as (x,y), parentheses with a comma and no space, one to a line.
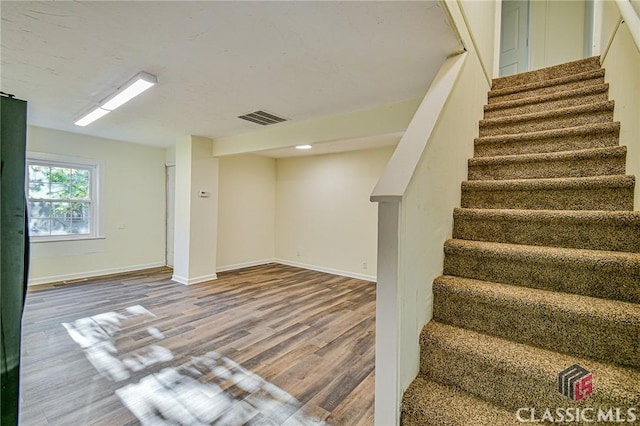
(92,274)
(244,265)
(196,280)
(349,274)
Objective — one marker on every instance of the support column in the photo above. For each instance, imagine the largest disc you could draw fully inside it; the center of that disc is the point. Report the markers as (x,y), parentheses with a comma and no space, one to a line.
(196,214)
(388,394)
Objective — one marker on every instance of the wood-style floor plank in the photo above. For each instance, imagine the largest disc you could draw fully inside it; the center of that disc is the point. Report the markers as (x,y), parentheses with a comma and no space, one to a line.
(303,332)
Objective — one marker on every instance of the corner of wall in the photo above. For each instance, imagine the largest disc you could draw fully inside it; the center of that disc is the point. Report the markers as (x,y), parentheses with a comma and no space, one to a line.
(128,241)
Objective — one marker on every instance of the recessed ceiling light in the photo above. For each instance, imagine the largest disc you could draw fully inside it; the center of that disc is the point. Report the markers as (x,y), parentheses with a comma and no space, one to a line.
(303,147)
(138,84)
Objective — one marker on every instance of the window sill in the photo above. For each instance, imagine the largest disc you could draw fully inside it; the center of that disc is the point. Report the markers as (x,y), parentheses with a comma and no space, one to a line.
(61,239)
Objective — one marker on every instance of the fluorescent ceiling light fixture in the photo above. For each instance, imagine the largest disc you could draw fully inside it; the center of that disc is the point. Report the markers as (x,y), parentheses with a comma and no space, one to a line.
(138,84)
(303,147)
(92,116)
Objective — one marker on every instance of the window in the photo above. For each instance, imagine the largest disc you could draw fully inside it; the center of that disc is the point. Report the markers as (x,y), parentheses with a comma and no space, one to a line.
(62,199)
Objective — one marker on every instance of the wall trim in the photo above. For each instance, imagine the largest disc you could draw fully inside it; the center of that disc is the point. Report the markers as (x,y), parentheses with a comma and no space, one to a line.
(349,274)
(92,274)
(196,280)
(245,265)
(603,57)
(332,271)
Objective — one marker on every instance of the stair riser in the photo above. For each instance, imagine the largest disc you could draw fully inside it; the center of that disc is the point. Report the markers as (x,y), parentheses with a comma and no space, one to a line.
(538,146)
(422,402)
(410,418)
(576,67)
(609,280)
(568,167)
(572,101)
(607,234)
(554,122)
(415,419)
(600,198)
(493,98)
(542,326)
(510,386)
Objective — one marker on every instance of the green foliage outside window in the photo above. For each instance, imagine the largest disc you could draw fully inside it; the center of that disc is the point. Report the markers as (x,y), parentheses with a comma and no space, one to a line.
(59,200)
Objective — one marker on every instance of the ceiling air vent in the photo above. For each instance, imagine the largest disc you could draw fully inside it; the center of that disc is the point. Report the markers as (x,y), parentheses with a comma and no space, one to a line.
(262,117)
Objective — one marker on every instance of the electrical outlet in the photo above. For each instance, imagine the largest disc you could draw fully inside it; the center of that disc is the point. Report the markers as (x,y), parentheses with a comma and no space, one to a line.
(298,253)
(364,265)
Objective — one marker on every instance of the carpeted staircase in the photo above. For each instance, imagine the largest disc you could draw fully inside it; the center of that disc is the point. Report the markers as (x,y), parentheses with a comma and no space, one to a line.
(543,271)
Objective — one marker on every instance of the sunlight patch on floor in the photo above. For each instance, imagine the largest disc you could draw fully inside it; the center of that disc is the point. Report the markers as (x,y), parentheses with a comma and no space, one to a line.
(208,389)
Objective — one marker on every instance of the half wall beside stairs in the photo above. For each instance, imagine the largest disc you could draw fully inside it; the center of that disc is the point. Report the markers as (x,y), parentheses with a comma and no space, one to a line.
(422,180)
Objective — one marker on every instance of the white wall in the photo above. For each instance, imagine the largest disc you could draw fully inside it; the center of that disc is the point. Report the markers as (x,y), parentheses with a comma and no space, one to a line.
(323,215)
(196,212)
(246,211)
(170,156)
(557,32)
(622,65)
(132,209)
(416,219)
(484,24)
(427,207)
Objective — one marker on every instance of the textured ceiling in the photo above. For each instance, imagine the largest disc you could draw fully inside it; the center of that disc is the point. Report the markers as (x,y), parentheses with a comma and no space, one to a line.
(216,60)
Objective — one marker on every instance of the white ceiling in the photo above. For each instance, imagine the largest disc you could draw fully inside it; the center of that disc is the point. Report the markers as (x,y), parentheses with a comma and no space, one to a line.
(216,60)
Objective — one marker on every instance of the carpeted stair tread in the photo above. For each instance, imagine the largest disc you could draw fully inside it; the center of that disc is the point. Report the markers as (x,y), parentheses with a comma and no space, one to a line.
(585,326)
(424,401)
(555,140)
(622,181)
(516,375)
(608,230)
(551,101)
(580,193)
(560,84)
(543,270)
(579,163)
(599,112)
(596,273)
(548,73)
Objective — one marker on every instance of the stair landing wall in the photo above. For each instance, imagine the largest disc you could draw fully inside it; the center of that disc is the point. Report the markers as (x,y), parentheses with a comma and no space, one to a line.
(410,252)
(433,192)
(622,63)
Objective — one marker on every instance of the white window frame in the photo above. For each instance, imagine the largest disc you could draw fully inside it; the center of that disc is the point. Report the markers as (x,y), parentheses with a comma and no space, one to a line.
(95,171)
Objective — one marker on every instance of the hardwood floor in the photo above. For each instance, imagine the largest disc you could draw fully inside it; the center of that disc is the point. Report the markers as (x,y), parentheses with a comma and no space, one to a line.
(270,344)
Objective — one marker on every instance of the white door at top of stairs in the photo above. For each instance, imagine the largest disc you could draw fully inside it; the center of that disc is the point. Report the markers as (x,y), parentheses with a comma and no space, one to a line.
(514,35)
